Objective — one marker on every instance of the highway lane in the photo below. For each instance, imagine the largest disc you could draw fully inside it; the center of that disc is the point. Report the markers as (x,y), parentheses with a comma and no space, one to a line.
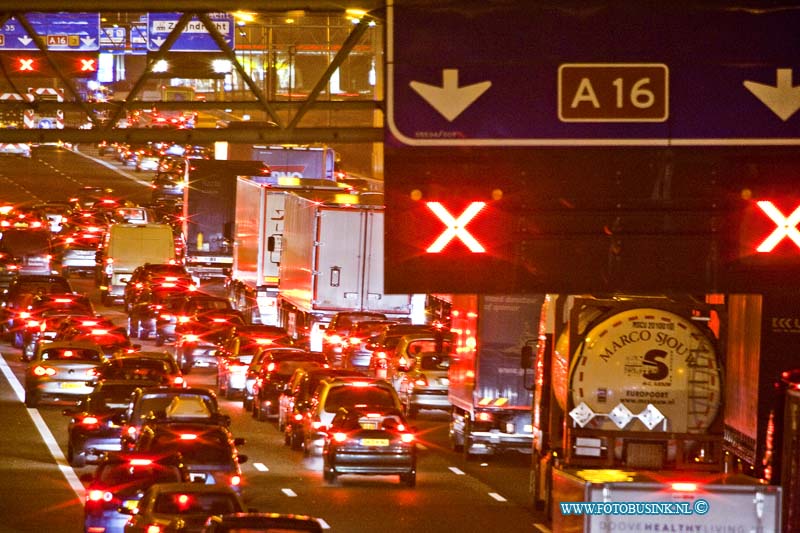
(450,493)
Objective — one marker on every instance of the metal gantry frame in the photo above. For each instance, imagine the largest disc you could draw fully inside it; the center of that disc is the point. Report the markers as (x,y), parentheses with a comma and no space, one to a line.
(279,130)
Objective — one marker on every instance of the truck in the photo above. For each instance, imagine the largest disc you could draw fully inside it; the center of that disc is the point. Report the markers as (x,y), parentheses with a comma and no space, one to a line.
(332,261)
(290,161)
(489,391)
(258,230)
(209,208)
(629,409)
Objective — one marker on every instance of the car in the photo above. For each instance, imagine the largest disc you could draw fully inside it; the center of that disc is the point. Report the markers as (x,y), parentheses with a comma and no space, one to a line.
(164,505)
(9,270)
(276,369)
(96,423)
(400,360)
(384,345)
(356,343)
(151,313)
(348,392)
(261,522)
(157,368)
(202,324)
(255,366)
(151,275)
(149,404)
(425,383)
(62,371)
(56,211)
(21,291)
(43,306)
(111,338)
(295,400)
(147,159)
(119,481)
(339,325)
(209,451)
(236,352)
(33,248)
(370,440)
(166,185)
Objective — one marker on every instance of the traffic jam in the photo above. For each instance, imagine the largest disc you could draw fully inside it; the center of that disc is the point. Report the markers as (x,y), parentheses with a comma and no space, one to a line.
(153,343)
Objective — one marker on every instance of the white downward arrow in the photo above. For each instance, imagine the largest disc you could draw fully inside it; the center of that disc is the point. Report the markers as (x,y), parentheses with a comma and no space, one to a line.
(25,40)
(782,98)
(450,100)
(158,41)
(87,41)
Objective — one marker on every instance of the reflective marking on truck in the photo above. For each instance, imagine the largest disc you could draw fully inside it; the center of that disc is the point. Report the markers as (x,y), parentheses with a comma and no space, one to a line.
(497,497)
(456,471)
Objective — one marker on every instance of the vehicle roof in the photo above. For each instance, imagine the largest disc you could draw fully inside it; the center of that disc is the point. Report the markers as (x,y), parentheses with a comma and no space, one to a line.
(71,344)
(192,487)
(291,522)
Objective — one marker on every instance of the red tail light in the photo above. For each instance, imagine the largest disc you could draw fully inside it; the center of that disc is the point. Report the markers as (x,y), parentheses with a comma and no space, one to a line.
(141,462)
(154,528)
(89,421)
(298,417)
(270,367)
(236,481)
(188,436)
(407,437)
(99,495)
(339,436)
(421,381)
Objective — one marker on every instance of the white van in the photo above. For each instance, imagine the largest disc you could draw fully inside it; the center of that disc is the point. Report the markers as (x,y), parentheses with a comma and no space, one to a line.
(127,246)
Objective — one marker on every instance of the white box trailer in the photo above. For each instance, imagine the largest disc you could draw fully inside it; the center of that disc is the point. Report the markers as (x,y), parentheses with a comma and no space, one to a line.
(331,261)
(662,501)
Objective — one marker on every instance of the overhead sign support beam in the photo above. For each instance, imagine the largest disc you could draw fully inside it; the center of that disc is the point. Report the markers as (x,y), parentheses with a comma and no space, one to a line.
(151,61)
(352,39)
(228,51)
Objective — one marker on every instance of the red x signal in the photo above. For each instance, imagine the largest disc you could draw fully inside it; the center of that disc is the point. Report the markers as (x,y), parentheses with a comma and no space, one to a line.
(88,65)
(456,227)
(786,227)
(26,64)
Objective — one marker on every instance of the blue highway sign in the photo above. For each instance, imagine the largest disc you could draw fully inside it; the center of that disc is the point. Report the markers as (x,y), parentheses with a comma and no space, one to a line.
(195,36)
(60,31)
(612,74)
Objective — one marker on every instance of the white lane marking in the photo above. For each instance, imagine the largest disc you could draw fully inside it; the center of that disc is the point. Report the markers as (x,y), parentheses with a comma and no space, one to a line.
(456,471)
(323,523)
(112,167)
(289,492)
(261,467)
(543,528)
(497,497)
(44,431)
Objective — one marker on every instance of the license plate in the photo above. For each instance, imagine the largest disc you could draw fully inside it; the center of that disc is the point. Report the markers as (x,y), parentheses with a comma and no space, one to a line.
(72,385)
(374,442)
(197,477)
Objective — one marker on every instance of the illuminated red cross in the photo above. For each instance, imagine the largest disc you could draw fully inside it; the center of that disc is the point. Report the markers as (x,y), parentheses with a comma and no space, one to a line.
(456,227)
(87,65)
(786,227)
(26,64)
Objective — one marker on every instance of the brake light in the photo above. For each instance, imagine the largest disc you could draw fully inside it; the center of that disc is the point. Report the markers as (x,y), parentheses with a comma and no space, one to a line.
(89,420)
(154,528)
(360,384)
(684,487)
(263,341)
(354,341)
(270,367)
(483,417)
(24,314)
(374,415)
(88,323)
(191,337)
(166,316)
(141,462)
(218,320)
(183,319)
(421,381)
(62,300)
(178,381)
(132,431)
(339,436)
(97,495)
(335,339)
(188,436)
(36,224)
(407,437)
(169,284)
(44,371)
(99,332)
(33,323)
(236,481)
(298,417)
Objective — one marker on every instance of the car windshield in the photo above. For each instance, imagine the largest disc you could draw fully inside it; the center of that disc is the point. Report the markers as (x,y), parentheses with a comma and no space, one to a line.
(157,405)
(361,397)
(143,474)
(110,397)
(43,287)
(71,354)
(434,361)
(196,503)
(135,369)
